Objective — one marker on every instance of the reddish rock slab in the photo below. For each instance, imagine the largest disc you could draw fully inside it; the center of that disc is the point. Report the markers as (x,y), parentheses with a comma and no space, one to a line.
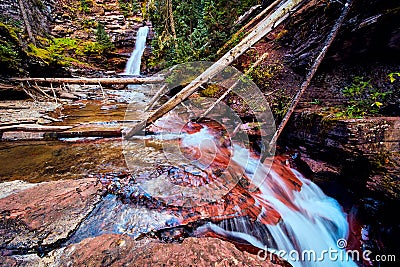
(46,213)
(120,250)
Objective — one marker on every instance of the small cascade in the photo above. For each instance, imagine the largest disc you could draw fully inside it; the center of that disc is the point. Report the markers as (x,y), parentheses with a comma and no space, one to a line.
(134,62)
(224,188)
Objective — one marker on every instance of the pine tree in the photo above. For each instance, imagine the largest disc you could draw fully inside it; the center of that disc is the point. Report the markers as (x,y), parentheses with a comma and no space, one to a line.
(103,39)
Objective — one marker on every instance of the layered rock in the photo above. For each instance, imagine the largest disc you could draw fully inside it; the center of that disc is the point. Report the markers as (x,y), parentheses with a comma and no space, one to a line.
(365,152)
(120,26)
(45,214)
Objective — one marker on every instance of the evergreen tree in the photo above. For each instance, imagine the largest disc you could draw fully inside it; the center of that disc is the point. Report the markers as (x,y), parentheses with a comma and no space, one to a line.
(103,39)
(198,30)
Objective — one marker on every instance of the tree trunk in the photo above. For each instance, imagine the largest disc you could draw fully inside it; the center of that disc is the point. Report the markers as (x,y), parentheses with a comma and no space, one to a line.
(171,19)
(26,22)
(136,80)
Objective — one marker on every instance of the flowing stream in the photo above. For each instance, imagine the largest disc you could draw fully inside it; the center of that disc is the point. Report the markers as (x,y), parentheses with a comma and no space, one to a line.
(134,62)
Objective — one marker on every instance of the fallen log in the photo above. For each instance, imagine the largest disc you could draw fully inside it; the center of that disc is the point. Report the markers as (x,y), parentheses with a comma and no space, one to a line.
(258,62)
(263,27)
(248,25)
(132,80)
(33,128)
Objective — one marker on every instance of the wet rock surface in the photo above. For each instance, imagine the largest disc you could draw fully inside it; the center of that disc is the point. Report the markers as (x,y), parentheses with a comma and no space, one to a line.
(37,218)
(121,250)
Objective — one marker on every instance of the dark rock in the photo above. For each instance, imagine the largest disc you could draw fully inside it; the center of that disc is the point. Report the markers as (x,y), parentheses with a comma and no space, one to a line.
(363,152)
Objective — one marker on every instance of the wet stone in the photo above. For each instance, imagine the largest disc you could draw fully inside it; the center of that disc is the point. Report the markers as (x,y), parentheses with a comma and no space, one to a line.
(36,218)
(122,250)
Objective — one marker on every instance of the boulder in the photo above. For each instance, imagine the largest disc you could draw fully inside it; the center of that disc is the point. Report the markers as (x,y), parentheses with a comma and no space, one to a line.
(45,214)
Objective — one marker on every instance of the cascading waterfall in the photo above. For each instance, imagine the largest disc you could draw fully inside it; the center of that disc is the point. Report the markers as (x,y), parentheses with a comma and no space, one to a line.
(284,212)
(134,62)
(310,228)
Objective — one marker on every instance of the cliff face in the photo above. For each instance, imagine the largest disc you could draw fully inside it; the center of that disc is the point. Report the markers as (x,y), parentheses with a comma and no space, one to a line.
(34,13)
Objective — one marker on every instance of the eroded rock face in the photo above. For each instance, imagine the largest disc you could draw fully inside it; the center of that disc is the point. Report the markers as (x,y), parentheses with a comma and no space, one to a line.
(45,214)
(365,152)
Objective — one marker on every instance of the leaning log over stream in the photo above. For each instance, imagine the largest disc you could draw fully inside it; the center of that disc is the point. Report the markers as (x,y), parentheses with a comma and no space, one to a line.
(130,80)
(259,31)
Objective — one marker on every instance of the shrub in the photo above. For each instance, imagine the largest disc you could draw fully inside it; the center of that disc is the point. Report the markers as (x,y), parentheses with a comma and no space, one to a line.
(363,98)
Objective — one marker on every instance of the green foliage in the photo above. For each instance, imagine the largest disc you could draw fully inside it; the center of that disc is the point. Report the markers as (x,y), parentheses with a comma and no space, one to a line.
(8,56)
(201,27)
(86,6)
(262,74)
(103,39)
(392,77)
(88,23)
(128,7)
(211,90)
(10,52)
(363,98)
(280,104)
(11,21)
(65,51)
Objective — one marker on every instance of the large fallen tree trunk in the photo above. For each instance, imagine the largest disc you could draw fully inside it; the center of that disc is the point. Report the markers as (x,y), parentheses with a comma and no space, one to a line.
(248,25)
(132,80)
(263,27)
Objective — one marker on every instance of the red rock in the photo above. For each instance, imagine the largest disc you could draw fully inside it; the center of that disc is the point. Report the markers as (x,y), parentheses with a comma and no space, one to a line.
(46,213)
(120,250)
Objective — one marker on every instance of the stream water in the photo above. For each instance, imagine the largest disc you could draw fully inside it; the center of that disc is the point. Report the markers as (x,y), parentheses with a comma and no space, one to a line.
(212,184)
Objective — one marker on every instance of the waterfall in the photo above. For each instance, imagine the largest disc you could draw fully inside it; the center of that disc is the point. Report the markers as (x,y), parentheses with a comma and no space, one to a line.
(283,213)
(134,62)
(312,229)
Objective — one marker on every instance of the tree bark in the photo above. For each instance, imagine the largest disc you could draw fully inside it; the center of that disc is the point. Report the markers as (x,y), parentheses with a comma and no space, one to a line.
(26,22)
(171,18)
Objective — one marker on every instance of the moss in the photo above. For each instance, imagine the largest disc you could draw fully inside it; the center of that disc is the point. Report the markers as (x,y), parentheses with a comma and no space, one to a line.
(210,91)
(39,53)
(263,74)
(86,6)
(10,48)
(9,32)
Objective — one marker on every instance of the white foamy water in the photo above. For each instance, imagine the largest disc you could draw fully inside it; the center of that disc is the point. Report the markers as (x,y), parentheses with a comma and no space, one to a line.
(135,60)
(310,228)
